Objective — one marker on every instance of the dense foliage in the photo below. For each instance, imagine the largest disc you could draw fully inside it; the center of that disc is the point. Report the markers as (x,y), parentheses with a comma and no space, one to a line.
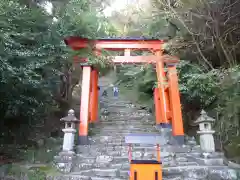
(33,56)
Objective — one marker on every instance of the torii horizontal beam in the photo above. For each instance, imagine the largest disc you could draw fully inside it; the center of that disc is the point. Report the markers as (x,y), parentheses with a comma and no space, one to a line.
(151,59)
(116,44)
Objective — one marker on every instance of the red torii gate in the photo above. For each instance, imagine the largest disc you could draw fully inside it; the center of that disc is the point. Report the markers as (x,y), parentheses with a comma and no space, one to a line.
(166,95)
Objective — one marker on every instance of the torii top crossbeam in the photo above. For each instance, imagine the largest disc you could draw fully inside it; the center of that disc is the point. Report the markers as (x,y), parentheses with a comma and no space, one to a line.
(123,44)
(115,44)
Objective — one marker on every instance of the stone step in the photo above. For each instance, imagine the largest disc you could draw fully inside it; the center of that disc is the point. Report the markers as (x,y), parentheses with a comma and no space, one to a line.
(124,174)
(165,157)
(128,119)
(111,165)
(121,110)
(122,122)
(119,140)
(107,152)
(115,125)
(131,127)
(179,177)
(77,176)
(125,119)
(121,165)
(121,126)
(86,164)
(107,138)
(117,103)
(169,173)
(111,146)
(125,112)
(121,105)
(86,159)
(125,124)
(128,114)
(198,172)
(116,134)
(101,172)
(105,143)
(111,157)
(124,131)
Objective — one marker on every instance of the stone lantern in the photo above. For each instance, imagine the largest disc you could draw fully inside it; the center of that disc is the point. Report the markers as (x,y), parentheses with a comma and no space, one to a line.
(206,133)
(69,131)
(64,160)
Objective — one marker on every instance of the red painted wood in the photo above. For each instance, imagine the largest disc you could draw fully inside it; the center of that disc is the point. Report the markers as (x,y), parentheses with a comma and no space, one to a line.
(157,106)
(94,96)
(174,96)
(161,83)
(77,43)
(84,109)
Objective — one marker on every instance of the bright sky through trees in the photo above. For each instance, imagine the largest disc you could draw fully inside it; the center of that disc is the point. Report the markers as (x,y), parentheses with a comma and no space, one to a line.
(117,5)
(47,6)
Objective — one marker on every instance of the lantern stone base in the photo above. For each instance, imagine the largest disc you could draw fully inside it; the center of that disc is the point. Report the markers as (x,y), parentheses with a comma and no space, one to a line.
(64,161)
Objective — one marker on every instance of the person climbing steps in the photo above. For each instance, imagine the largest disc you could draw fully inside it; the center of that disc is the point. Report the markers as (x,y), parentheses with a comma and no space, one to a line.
(115,91)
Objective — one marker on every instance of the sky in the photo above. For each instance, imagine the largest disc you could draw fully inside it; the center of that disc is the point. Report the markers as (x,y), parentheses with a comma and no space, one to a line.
(48,7)
(116,6)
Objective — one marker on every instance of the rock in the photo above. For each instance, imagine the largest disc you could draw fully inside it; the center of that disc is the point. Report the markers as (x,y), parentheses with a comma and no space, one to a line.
(198,173)
(104,159)
(219,173)
(106,172)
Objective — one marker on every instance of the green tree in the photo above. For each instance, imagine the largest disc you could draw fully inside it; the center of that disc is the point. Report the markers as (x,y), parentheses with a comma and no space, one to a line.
(33,56)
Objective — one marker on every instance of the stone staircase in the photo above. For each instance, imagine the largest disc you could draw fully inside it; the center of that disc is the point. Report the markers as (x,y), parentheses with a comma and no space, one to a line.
(106,158)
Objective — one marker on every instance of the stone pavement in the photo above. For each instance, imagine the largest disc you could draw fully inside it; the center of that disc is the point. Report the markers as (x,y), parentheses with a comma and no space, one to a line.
(106,158)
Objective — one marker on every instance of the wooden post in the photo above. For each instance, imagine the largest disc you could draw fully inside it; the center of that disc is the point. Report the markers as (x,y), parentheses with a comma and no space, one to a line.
(90,99)
(169,115)
(84,109)
(157,106)
(175,104)
(94,96)
(161,78)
